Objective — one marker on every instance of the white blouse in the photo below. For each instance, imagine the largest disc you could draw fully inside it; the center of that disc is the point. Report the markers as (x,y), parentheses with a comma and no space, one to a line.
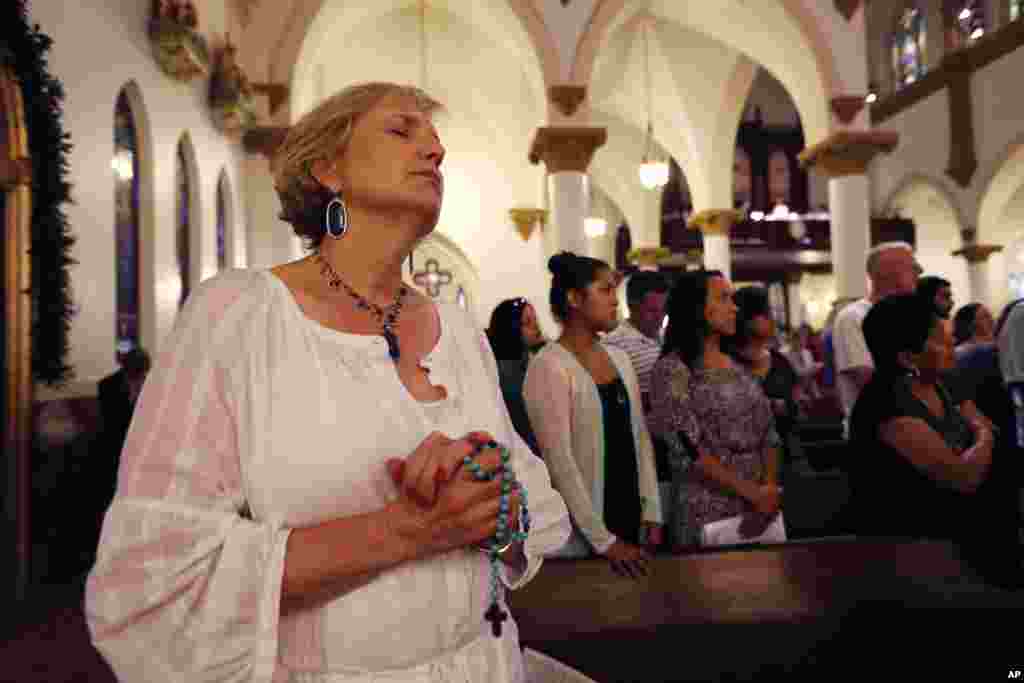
(257,420)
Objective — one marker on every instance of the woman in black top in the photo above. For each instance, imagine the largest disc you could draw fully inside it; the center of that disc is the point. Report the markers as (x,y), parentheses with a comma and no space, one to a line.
(514,334)
(915,460)
(753,348)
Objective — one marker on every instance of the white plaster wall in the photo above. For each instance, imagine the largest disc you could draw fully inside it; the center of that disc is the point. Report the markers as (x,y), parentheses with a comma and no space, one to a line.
(99,47)
(270,239)
(999,116)
(602,206)
(923,147)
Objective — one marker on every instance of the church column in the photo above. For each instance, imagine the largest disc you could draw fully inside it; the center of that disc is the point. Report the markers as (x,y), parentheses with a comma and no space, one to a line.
(566,152)
(715,225)
(844,158)
(977,270)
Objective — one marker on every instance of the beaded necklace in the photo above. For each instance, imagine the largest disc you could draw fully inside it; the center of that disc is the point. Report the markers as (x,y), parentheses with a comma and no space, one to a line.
(387,317)
(505,536)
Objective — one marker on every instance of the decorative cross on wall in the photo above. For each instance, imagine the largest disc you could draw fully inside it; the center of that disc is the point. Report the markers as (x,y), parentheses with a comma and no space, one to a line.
(432,278)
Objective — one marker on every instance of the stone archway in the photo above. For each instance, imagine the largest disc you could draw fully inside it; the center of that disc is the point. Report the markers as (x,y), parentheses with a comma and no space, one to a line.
(1001,222)
(939,228)
(15,188)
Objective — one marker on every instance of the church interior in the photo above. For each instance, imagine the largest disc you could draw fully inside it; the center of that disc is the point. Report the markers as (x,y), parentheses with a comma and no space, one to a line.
(776,141)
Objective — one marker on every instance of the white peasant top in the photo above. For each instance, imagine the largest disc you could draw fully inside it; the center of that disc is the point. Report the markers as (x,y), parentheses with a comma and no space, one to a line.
(256,420)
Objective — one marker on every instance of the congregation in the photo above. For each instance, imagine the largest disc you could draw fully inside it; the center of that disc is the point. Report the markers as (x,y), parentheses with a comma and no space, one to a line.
(511,340)
(933,430)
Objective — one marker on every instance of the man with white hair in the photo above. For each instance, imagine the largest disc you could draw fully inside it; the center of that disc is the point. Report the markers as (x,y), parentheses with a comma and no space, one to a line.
(891,269)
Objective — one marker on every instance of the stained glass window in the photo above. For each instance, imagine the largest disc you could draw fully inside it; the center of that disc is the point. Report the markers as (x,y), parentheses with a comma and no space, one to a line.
(908,47)
(125,165)
(1016,9)
(184,219)
(965,22)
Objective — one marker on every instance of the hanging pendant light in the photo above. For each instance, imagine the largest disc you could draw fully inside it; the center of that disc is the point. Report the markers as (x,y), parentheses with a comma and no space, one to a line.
(653,172)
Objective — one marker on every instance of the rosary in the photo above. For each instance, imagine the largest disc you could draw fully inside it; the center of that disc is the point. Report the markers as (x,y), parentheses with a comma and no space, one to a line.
(505,536)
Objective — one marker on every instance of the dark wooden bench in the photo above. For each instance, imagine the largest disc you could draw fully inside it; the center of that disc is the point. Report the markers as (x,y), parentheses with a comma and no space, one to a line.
(824,608)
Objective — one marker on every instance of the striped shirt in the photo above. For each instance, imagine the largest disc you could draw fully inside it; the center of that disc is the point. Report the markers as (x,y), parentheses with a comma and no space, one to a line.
(642,350)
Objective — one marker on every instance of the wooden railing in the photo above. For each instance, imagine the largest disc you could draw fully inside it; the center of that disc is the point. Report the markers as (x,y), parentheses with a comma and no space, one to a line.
(746,613)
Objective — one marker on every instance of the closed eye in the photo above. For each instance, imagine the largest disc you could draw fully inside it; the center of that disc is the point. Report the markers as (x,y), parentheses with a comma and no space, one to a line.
(401,133)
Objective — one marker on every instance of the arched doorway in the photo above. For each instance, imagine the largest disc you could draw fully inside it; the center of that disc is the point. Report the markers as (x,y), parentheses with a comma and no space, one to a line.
(15,201)
(926,202)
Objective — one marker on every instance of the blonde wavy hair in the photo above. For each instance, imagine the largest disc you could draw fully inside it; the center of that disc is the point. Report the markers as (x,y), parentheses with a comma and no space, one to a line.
(322,134)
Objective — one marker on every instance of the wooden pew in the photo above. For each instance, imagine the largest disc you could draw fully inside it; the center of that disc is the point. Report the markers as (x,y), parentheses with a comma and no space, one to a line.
(828,607)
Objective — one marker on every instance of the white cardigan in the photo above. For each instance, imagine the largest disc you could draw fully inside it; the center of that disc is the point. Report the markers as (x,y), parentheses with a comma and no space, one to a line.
(565,412)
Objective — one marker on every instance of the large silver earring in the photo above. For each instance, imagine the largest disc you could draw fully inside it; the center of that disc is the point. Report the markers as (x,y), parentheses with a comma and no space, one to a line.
(336,223)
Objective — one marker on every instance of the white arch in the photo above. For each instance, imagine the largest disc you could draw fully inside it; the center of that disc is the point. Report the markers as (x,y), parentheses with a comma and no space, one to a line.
(1001,219)
(938,229)
(148,330)
(784,37)
(195,226)
(1006,177)
(347,24)
(226,200)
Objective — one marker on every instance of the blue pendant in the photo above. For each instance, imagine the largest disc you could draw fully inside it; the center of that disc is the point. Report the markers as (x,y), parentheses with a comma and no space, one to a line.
(392,341)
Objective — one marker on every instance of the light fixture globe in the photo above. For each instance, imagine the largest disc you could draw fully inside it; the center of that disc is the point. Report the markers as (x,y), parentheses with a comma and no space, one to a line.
(653,174)
(595,227)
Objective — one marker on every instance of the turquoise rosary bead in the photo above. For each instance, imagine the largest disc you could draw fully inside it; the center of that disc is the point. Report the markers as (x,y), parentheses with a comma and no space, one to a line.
(503,537)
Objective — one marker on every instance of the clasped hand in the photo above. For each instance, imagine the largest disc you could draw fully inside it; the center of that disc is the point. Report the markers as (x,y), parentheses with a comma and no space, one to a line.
(440,505)
(766,502)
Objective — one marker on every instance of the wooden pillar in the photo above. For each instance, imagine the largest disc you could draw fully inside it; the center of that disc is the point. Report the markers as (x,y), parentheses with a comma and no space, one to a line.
(15,183)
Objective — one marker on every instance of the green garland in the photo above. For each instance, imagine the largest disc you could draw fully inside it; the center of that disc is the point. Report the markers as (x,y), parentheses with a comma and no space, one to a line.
(52,308)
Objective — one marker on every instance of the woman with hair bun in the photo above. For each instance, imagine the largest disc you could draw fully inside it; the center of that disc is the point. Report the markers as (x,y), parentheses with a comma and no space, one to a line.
(583,399)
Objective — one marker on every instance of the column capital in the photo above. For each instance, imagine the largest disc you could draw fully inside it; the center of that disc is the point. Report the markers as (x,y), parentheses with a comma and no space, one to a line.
(648,258)
(567,97)
(566,148)
(848,152)
(977,253)
(526,219)
(714,221)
